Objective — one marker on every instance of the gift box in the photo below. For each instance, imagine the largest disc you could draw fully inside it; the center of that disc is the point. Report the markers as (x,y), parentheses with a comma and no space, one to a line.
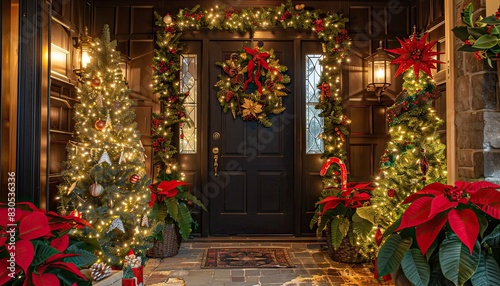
(129,281)
(135,263)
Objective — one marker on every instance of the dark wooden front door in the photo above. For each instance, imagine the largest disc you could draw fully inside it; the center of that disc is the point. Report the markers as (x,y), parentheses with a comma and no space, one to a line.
(254,190)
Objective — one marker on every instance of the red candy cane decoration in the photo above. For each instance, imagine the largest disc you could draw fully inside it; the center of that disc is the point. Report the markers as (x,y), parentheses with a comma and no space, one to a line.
(343,170)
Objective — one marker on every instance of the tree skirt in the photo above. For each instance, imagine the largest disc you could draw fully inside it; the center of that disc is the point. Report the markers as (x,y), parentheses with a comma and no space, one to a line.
(246,258)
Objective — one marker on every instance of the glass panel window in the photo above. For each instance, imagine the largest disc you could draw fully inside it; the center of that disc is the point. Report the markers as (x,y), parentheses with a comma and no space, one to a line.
(189,83)
(314,123)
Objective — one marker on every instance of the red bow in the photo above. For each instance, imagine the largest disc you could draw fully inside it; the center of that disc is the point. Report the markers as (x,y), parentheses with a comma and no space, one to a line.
(259,60)
(166,188)
(325,90)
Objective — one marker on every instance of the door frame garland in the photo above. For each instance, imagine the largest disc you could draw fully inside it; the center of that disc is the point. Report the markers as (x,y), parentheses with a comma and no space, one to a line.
(328,27)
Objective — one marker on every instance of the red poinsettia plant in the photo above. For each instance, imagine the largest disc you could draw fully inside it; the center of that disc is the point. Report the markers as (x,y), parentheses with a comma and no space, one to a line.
(169,202)
(36,247)
(454,228)
(337,210)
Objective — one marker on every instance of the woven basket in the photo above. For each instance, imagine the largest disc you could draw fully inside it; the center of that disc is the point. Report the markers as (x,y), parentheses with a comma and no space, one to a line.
(170,244)
(346,252)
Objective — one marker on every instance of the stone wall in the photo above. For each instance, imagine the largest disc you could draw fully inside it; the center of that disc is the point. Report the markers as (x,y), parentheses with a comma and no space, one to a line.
(477,111)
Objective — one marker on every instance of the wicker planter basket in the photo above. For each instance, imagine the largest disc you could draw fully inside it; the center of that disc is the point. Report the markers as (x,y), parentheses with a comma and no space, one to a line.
(170,244)
(346,252)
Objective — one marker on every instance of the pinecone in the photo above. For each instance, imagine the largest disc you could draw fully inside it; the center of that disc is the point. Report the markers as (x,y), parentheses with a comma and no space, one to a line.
(99,271)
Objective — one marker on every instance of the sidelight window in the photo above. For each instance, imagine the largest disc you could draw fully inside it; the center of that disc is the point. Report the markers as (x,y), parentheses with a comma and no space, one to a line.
(189,83)
(314,123)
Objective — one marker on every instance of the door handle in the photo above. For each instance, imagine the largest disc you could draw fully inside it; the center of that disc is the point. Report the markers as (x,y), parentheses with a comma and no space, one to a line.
(215,152)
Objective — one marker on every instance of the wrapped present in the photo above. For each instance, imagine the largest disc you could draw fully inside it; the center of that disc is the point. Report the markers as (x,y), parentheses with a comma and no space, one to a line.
(135,262)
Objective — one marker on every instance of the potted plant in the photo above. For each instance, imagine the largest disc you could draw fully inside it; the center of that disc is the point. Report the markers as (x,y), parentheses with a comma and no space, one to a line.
(343,214)
(170,202)
(448,235)
(480,36)
(36,247)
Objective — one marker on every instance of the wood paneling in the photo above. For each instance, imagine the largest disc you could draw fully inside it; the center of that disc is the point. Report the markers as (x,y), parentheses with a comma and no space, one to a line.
(63,97)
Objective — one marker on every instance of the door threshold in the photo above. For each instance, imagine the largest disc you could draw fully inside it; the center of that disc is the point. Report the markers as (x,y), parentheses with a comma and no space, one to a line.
(258,238)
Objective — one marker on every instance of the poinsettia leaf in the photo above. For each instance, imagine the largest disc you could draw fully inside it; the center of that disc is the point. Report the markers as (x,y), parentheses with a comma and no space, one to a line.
(5,271)
(440,204)
(336,234)
(476,186)
(330,205)
(434,189)
(84,259)
(427,232)
(465,225)
(368,213)
(416,267)
(391,254)
(172,208)
(34,225)
(483,224)
(60,243)
(493,210)
(486,196)
(25,254)
(68,267)
(184,221)
(457,264)
(417,213)
(487,272)
(344,226)
(361,227)
(42,252)
(493,238)
(45,279)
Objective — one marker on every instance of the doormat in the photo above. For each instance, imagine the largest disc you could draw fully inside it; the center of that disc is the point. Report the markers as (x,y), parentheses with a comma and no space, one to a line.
(246,258)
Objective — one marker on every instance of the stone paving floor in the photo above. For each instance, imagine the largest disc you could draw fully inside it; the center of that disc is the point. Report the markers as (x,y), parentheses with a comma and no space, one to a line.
(313,267)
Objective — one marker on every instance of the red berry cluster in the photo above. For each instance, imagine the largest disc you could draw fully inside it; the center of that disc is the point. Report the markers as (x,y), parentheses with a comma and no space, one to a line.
(454,194)
(170,29)
(286,15)
(229,12)
(318,25)
(195,16)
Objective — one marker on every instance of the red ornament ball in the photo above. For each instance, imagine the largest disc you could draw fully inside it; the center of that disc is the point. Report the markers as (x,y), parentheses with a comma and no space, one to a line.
(134,178)
(96,190)
(100,124)
(95,82)
(391,193)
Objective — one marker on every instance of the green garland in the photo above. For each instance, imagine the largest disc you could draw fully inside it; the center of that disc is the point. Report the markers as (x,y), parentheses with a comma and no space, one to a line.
(328,27)
(252,69)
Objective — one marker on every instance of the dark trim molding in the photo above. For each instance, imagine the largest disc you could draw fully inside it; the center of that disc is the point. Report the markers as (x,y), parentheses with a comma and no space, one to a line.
(29,100)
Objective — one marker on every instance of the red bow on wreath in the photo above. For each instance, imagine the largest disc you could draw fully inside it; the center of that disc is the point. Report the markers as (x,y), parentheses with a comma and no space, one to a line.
(259,60)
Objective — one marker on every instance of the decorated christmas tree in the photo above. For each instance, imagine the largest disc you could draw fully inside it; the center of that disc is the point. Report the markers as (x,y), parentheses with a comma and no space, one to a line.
(414,155)
(105,180)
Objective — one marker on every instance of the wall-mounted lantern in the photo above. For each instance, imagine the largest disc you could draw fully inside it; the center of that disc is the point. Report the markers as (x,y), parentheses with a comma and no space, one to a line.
(379,71)
(125,67)
(82,44)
